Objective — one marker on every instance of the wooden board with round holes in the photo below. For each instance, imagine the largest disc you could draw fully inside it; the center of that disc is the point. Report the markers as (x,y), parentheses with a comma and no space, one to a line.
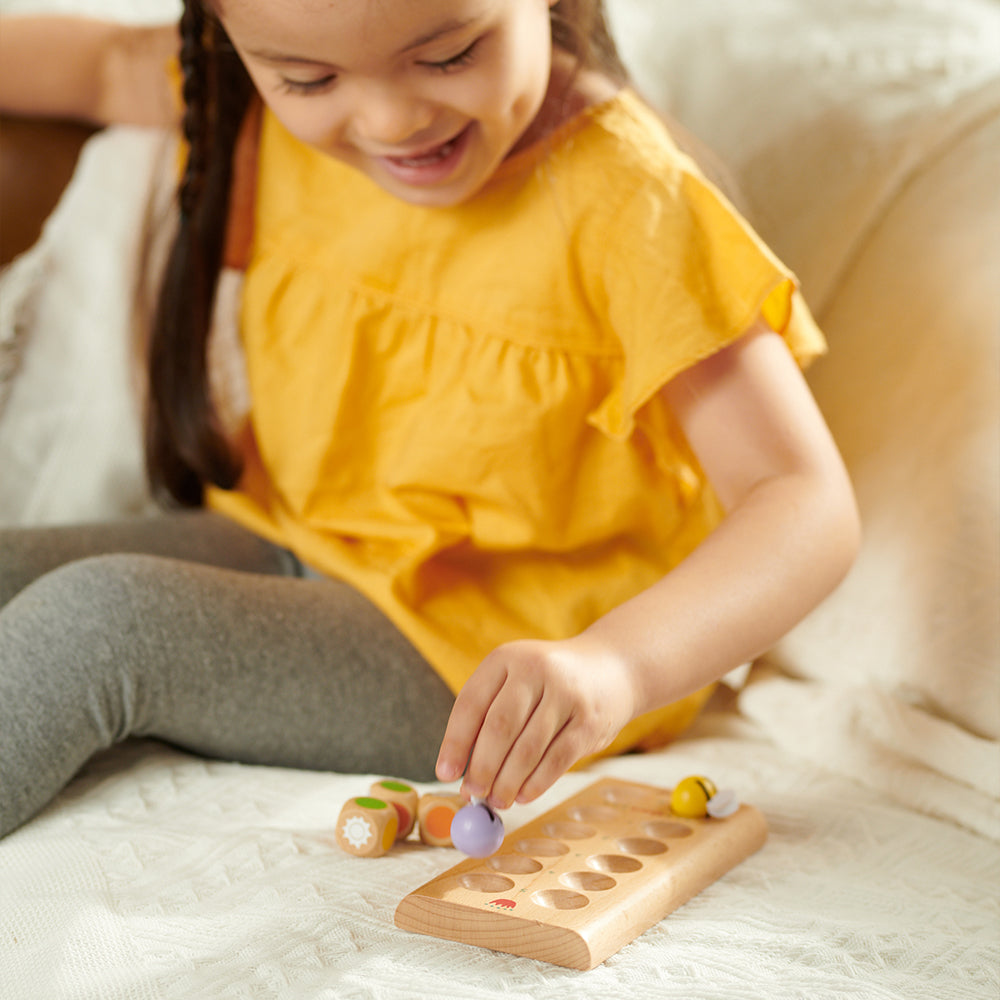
(578,883)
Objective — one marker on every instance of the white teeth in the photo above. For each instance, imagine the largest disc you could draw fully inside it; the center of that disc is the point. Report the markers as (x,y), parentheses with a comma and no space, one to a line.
(427,159)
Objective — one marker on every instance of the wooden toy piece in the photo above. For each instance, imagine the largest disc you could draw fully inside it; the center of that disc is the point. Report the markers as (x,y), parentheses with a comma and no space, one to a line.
(367,827)
(690,796)
(434,815)
(477,830)
(404,798)
(575,885)
(723,803)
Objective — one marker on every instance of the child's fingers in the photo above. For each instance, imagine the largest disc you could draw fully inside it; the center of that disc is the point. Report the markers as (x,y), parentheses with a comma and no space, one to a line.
(466,720)
(503,726)
(529,712)
(561,755)
(527,752)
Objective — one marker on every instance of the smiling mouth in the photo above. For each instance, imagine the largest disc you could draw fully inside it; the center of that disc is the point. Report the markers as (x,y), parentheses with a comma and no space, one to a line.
(432,165)
(432,156)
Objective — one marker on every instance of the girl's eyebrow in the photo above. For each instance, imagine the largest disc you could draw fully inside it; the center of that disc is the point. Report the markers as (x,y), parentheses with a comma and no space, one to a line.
(447,28)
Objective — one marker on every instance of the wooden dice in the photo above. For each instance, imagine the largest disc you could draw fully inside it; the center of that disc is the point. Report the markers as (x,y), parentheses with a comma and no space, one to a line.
(403,797)
(435,814)
(367,827)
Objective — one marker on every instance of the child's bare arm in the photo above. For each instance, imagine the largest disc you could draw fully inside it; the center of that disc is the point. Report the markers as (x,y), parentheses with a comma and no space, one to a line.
(88,70)
(791,532)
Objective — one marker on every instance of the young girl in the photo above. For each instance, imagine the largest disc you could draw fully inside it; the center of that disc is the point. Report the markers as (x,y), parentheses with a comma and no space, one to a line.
(528,463)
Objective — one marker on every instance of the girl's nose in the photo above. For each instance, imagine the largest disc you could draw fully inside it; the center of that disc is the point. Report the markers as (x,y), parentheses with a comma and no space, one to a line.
(389,116)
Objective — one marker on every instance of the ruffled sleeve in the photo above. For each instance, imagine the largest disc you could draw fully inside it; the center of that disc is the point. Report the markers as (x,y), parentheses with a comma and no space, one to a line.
(684,276)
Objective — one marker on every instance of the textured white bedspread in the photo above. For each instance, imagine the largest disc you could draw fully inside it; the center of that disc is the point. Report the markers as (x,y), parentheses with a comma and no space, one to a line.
(158,875)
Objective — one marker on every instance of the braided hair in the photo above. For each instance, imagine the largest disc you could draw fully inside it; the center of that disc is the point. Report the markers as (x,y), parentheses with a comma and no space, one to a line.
(185,446)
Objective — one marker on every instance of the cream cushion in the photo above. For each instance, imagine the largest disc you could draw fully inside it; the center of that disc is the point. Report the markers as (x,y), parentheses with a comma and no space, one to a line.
(911,390)
(867,144)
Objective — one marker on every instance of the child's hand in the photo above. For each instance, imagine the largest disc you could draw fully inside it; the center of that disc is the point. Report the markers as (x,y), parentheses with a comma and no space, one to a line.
(530,711)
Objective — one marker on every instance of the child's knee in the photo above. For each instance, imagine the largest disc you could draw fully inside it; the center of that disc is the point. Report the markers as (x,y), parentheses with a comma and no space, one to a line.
(93,592)
(72,643)
(86,620)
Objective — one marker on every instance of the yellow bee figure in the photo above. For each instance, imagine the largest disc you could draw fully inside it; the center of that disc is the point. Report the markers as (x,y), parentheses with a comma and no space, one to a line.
(690,797)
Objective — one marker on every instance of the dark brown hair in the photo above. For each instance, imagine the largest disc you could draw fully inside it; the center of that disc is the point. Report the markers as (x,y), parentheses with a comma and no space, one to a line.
(580,28)
(186,447)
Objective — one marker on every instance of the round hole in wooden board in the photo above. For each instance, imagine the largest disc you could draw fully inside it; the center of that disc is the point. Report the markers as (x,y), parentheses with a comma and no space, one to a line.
(666,830)
(514,864)
(588,881)
(559,899)
(616,864)
(484,882)
(569,831)
(542,848)
(643,846)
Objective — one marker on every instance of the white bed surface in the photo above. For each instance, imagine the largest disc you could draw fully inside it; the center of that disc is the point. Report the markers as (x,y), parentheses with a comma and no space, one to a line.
(159,875)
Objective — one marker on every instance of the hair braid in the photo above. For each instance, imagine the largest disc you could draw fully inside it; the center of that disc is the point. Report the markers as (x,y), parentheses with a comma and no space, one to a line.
(185,446)
(194,123)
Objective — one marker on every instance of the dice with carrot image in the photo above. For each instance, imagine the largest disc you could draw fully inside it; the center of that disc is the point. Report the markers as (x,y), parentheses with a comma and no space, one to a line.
(434,816)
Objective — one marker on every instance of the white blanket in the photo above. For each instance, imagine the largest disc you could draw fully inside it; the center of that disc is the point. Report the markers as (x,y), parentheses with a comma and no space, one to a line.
(160,876)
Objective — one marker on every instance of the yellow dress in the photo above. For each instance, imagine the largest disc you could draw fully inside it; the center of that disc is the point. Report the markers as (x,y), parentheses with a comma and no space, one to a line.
(457,410)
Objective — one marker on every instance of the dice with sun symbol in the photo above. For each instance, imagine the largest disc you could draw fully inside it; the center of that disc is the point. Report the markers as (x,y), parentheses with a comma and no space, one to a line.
(403,797)
(367,827)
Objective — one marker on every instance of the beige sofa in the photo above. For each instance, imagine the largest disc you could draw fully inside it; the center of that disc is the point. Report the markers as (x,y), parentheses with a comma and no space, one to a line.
(865,138)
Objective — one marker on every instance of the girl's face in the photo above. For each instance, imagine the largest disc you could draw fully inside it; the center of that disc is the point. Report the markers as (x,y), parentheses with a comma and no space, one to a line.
(425,97)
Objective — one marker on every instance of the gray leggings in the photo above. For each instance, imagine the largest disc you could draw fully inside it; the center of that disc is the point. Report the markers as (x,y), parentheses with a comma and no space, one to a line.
(191,630)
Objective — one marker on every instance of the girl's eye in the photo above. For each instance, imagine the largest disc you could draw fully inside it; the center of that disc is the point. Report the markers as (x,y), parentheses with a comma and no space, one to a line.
(307,86)
(463,59)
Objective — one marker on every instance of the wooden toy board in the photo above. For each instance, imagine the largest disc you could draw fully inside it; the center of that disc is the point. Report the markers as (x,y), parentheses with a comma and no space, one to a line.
(578,883)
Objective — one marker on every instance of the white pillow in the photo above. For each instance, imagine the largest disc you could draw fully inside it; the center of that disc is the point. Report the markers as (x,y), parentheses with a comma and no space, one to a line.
(866,137)
(912,392)
(821,109)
